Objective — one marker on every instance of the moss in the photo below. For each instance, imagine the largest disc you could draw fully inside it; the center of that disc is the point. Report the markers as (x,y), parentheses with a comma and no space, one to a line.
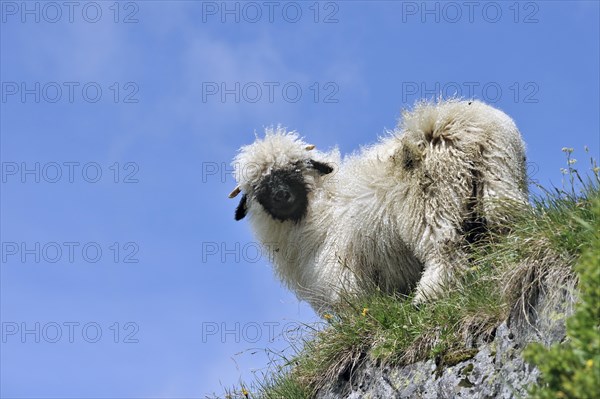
(453,359)
(465,383)
(468,369)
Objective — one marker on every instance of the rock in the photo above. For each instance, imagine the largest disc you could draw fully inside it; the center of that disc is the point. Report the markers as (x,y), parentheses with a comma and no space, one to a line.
(497,369)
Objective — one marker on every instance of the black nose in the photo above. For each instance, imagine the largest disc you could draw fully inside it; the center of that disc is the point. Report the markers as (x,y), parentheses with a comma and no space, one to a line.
(282,196)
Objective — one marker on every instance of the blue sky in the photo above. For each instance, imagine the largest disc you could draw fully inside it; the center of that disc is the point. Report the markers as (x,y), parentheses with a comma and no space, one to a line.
(118,123)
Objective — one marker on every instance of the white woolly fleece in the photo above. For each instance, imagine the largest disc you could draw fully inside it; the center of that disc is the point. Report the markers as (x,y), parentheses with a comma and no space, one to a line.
(393,214)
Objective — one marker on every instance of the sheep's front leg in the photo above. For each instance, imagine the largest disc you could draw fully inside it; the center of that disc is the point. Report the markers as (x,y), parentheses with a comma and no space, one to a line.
(440,267)
(431,284)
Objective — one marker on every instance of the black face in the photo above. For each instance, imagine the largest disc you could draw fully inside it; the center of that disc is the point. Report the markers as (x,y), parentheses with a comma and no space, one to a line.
(284,195)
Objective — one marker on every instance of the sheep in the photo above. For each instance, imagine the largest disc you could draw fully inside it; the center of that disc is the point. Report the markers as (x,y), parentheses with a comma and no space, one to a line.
(287,190)
(395,215)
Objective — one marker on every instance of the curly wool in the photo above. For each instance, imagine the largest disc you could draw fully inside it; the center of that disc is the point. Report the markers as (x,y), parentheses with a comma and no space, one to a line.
(396,214)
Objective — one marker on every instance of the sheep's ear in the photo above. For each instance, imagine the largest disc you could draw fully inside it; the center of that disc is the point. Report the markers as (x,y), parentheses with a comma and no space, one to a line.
(321,167)
(241,210)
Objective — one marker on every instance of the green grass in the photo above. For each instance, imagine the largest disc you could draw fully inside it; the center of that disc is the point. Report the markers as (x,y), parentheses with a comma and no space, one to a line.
(572,369)
(542,246)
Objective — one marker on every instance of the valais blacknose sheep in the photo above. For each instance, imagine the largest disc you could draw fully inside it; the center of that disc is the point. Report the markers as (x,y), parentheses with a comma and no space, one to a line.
(396,215)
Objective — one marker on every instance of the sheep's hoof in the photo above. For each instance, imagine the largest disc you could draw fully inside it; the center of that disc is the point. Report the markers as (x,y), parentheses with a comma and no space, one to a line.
(419,299)
(424,297)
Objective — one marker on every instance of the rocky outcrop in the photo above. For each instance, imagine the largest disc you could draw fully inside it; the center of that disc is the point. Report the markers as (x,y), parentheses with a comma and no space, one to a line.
(493,369)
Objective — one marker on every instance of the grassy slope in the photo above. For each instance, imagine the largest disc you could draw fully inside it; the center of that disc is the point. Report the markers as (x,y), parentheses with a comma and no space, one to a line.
(545,243)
